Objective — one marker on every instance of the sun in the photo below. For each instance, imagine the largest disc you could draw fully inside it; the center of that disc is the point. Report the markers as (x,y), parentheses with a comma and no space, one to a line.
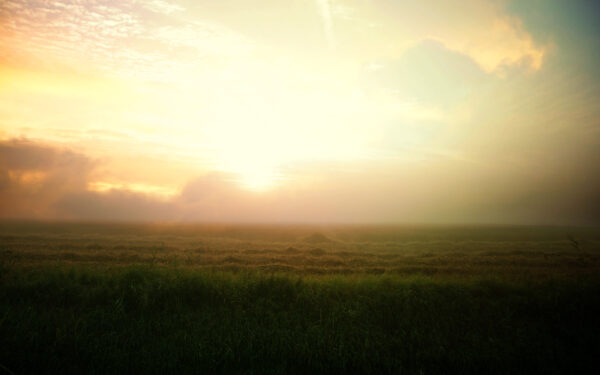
(259,179)
(263,124)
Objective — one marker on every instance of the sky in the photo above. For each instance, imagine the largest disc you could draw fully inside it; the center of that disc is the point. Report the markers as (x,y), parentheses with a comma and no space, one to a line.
(344,111)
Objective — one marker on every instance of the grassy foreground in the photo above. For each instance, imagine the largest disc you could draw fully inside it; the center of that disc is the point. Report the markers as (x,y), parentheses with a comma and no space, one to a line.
(145,319)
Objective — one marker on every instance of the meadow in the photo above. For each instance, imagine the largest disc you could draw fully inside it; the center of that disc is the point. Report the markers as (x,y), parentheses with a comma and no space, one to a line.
(166,298)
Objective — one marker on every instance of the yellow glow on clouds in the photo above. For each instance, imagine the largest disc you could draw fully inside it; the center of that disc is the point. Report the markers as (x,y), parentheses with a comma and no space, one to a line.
(153,190)
(211,96)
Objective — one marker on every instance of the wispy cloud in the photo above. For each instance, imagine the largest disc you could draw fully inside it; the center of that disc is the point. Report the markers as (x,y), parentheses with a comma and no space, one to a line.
(162,6)
(115,37)
(327,19)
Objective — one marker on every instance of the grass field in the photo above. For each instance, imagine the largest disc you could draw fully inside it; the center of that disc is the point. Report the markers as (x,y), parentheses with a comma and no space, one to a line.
(116,298)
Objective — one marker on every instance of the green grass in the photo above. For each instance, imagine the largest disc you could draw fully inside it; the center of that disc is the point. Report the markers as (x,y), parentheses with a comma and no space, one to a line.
(147,319)
(159,298)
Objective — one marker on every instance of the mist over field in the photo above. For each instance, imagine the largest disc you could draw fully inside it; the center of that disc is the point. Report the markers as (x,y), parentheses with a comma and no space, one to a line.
(448,251)
(42,182)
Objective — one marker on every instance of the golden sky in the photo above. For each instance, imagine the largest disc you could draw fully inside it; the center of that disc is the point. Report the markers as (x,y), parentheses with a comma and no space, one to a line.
(300,110)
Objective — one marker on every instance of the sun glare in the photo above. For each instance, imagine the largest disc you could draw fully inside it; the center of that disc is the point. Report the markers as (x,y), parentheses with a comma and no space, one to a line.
(265,119)
(371,102)
(258,179)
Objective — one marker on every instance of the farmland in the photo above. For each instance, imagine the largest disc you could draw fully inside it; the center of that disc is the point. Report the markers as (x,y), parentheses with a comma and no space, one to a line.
(166,298)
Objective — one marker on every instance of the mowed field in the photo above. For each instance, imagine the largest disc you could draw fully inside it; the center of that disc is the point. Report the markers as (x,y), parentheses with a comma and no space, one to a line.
(165,298)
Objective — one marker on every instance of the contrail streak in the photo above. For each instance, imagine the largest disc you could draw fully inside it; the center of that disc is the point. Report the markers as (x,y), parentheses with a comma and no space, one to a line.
(327,19)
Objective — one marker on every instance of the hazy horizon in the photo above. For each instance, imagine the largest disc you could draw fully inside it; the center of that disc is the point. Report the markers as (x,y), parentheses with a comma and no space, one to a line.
(300,112)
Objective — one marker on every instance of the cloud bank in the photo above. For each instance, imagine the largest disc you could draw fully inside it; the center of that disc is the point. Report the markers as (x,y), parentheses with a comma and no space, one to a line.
(41,182)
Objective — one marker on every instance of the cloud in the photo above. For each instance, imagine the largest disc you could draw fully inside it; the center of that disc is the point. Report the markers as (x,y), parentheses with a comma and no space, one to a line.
(164,7)
(43,182)
(128,38)
(481,29)
(113,205)
(33,176)
(211,187)
(428,73)
(327,19)
(38,181)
